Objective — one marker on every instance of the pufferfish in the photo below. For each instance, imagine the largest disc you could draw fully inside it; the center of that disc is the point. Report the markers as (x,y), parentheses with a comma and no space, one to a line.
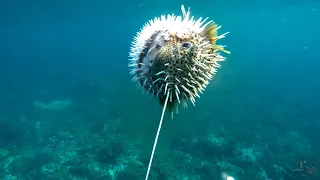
(173,58)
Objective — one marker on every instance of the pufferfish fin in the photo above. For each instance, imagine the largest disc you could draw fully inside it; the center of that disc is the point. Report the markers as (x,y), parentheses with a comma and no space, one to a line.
(184,13)
(210,32)
(221,48)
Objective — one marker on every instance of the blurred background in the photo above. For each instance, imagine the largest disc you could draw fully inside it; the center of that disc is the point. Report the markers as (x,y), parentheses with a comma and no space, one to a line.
(68,108)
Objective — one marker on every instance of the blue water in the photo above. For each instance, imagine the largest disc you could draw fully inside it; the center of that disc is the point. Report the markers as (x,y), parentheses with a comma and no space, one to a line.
(257,118)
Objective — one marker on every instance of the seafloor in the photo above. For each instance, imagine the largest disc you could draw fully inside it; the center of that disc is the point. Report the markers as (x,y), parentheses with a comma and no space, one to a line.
(87,136)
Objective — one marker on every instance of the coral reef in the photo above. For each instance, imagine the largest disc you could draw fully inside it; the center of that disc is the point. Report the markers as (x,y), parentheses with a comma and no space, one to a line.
(65,143)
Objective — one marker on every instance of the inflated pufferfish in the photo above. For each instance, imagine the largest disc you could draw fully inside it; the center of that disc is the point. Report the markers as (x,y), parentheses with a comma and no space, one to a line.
(173,58)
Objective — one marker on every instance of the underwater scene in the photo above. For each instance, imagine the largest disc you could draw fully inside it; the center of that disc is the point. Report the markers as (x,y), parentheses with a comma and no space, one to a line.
(159,90)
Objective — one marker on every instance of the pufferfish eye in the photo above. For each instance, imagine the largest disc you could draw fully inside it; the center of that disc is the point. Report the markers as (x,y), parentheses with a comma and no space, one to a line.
(186,45)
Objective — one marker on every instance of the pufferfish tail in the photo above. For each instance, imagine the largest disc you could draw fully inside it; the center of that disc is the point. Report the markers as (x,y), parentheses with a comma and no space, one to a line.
(210,32)
(170,104)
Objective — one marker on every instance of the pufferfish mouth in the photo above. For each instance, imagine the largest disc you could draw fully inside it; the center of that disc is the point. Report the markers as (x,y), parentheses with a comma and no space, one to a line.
(154,46)
(159,44)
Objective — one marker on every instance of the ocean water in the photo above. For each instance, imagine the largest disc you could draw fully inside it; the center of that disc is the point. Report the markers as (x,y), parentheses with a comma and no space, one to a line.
(69,110)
